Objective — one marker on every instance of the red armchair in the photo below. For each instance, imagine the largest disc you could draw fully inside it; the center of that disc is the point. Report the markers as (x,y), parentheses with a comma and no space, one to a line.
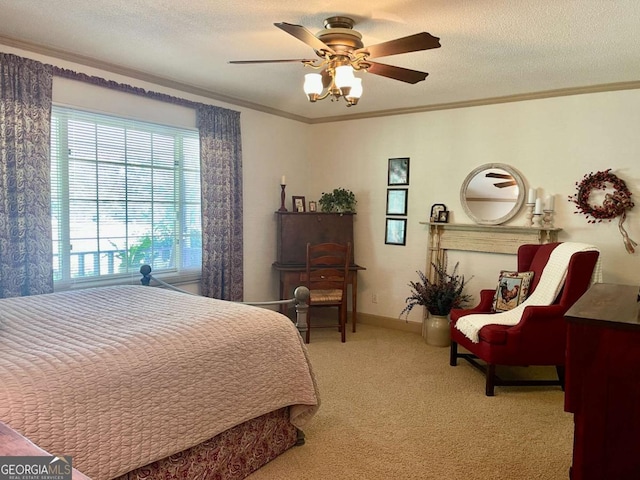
(540,336)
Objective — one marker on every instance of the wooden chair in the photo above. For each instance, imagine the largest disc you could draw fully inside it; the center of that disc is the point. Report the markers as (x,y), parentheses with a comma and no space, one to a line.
(326,278)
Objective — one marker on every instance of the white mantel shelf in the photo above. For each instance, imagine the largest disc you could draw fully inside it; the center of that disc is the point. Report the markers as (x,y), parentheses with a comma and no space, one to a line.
(481,238)
(486,238)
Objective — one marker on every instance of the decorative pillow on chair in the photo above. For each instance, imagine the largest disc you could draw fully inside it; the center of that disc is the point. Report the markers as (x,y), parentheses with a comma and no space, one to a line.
(512,290)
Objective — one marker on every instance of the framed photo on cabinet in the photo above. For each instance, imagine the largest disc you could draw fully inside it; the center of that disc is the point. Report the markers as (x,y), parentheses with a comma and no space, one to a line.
(396,231)
(398,171)
(299,204)
(397,200)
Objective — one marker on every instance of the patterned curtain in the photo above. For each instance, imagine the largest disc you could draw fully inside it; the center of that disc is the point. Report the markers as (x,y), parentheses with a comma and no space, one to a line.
(25,210)
(221,183)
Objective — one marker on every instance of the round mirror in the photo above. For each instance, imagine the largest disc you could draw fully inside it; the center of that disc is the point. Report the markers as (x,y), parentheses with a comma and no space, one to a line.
(492,194)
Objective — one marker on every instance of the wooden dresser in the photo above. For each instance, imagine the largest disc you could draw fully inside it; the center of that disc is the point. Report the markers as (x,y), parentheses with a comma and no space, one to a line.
(295,230)
(603,383)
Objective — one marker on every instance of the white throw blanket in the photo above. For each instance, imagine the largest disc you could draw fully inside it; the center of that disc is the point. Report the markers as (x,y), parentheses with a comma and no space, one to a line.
(550,284)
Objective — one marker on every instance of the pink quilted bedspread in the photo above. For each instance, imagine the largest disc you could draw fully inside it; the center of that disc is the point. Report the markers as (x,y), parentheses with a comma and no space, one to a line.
(119,377)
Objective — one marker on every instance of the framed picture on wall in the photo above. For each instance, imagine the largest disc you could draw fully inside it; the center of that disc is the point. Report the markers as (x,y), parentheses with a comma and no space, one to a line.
(397,201)
(398,171)
(396,231)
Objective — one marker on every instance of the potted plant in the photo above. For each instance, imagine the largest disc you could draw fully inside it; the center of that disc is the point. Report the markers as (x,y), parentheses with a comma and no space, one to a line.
(340,200)
(439,297)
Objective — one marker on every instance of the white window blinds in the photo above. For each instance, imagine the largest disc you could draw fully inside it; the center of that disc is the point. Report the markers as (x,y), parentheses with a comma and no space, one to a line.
(124,193)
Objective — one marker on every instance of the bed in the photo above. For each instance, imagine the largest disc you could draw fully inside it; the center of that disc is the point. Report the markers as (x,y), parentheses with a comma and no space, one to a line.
(138,382)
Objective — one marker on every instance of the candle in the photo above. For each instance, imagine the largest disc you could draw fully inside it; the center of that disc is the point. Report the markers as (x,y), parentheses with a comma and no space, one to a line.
(532,196)
(538,209)
(549,203)
(283,181)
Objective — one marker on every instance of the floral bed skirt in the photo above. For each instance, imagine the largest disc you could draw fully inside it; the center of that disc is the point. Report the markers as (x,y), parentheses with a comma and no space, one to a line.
(231,455)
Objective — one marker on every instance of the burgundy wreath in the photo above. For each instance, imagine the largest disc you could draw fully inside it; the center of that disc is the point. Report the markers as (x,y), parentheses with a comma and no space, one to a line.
(614,204)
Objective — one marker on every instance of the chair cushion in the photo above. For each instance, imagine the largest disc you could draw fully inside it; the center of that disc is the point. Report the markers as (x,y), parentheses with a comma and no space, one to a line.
(325,296)
(512,290)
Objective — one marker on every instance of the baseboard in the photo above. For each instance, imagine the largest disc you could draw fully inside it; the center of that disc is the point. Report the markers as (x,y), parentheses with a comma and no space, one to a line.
(387,322)
(328,317)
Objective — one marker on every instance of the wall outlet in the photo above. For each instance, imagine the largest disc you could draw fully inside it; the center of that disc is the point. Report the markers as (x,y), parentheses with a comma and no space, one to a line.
(374,298)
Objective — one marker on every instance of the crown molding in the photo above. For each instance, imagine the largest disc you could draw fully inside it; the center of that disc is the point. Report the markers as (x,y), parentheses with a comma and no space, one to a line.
(143,76)
(562,92)
(187,88)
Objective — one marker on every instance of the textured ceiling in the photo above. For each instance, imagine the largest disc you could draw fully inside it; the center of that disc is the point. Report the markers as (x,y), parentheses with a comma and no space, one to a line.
(490,48)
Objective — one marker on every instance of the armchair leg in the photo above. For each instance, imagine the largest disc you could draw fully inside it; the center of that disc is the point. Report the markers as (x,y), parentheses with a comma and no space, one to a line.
(453,354)
(491,376)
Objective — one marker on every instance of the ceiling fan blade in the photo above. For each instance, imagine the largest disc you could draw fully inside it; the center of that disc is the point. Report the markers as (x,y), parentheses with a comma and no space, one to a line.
(244,62)
(397,73)
(510,183)
(412,43)
(304,35)
(499,175)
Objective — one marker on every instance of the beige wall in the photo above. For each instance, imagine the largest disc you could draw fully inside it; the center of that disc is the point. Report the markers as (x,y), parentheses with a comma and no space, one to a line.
(552,142)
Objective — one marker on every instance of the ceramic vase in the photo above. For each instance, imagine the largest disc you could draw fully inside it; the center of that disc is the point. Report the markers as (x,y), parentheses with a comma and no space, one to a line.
(436,330)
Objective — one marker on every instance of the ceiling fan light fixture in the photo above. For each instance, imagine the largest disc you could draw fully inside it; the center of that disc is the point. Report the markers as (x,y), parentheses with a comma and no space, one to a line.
(344,78)
(313,86)
(355,93)
(338,82)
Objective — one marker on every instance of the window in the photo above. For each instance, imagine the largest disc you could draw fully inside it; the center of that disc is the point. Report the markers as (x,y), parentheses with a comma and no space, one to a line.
(124,193)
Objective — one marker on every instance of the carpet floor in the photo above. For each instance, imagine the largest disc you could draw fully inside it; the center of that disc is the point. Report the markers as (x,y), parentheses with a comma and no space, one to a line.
(393,408)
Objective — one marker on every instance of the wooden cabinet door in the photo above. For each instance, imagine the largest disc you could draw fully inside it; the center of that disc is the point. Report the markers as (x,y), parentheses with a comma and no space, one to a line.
(296,229)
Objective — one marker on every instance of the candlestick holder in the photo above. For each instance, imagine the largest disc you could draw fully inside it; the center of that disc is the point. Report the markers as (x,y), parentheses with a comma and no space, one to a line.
(537,220)
(548,218)
(529,215)
(282,198)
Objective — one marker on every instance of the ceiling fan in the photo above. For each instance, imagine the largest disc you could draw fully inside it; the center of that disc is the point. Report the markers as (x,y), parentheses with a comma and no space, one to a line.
(509,183)
(341,52)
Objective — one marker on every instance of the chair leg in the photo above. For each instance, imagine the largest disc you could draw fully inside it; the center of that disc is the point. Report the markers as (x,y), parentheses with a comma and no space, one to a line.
(560,370)
(490,385)
(453,354)
(343,322)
